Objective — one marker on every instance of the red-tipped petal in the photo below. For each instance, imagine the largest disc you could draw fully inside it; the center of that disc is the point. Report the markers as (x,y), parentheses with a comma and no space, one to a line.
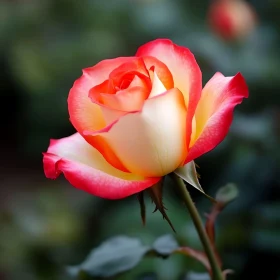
(86,169)
(184,69)
(214,112)
(84,114)
(151,142)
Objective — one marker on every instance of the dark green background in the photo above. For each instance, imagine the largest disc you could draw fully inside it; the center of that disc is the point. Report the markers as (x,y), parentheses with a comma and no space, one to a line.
(44,224)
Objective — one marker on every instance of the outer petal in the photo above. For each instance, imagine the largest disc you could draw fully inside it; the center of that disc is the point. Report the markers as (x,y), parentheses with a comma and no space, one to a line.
(85,115)
(184,69)
(86,169)
(151,142)
(214,112)
(180,62)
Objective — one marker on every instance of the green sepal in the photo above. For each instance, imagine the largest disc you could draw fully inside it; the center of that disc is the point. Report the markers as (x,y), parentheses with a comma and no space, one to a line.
(188,173)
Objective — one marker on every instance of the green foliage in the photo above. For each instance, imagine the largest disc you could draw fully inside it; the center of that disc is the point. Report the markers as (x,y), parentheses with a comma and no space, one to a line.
(120,254)
(197,276)
(112,257)
(165,245)
(227,194)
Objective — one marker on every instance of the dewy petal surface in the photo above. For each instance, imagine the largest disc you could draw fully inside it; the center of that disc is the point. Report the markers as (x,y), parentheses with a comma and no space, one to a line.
(86,169)
(214,112)
(151,143)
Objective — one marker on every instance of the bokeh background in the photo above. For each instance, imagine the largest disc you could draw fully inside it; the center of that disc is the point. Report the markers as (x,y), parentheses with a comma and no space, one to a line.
(46,225)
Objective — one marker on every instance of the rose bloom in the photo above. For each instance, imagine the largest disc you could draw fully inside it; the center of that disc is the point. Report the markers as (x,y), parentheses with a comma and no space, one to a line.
(232,19)
(139,118)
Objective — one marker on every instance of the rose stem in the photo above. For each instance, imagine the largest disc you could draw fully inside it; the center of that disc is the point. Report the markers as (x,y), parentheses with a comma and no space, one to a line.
(216,270)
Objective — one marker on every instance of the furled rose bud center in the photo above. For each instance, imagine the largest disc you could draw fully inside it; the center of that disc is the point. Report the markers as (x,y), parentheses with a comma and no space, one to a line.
(130,84)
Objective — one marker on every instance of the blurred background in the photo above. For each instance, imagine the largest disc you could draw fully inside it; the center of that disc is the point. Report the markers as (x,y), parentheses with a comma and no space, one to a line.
(46,225)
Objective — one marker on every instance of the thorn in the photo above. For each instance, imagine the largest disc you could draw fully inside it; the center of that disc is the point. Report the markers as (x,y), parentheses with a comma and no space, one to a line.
(155,209)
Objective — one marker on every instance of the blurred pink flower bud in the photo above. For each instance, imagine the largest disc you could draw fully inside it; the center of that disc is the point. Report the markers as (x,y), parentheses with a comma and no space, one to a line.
(232,19)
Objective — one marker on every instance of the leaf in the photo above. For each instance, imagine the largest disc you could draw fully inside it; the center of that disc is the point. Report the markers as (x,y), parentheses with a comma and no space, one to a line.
(197,276)
(112,257)
(226,194)
(165,245)
(188,173)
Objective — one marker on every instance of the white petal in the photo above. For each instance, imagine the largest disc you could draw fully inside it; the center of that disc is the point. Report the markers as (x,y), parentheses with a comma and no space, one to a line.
(157,87)
(152,142)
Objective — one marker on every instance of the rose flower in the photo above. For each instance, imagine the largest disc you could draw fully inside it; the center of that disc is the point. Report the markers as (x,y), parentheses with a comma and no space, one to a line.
(140,118)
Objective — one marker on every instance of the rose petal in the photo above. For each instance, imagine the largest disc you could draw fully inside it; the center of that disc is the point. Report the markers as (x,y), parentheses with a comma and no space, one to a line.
(181,63)
(184,69)
(125,91)
(158,87)
(86,169)
(151,142)
(85,115)
(127,100)
(137,82)
(162,71)
(215,112)
(111,115)
(129,70)
(113,106)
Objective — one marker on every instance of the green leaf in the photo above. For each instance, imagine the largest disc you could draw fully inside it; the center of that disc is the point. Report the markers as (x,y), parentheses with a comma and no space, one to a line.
(165,245)
(188,173)
(197,276)
(227,194)
(112,257)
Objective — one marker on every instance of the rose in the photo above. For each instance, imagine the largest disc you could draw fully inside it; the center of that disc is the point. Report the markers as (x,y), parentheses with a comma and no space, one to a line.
(140,118)
(232,19)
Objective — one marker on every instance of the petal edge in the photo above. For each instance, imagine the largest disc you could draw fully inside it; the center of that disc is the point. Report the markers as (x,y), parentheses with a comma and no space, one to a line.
(88,172)
(214,112)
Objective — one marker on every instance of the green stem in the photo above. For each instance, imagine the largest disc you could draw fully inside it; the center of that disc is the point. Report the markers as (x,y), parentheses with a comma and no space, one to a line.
(208,248)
